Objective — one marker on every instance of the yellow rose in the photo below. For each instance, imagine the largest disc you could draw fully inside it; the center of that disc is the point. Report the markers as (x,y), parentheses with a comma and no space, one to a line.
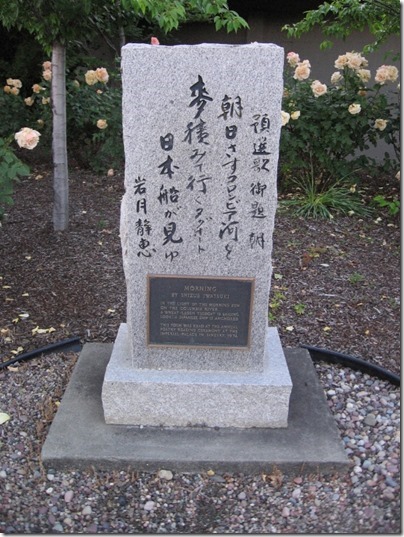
(354,108)
(393,73)
(14,82)
(380,124)
(295,115)
(29,101)
(47,74)
(91,77)
(36,88)
(364,75)
(102,124)
(15,91)
(7,89)
(47,66)
(102,75)
(285,118)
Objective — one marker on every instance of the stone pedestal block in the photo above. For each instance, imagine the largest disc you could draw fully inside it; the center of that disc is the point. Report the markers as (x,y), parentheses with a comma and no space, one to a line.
(199,398)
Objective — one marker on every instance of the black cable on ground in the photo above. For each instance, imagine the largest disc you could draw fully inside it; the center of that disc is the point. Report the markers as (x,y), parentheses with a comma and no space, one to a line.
(72,344)
(318,355)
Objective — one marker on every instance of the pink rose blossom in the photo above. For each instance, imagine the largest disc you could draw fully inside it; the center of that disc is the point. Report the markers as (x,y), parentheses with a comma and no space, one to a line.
(292,58)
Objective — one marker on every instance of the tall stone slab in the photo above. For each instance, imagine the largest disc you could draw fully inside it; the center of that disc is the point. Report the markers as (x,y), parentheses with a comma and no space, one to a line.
(201,133)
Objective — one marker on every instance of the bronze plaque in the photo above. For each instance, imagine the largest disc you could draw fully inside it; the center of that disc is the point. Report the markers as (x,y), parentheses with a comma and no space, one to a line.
(195,311)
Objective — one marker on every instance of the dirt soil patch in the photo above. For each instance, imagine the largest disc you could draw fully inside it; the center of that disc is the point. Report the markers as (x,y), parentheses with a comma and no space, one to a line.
(335,284)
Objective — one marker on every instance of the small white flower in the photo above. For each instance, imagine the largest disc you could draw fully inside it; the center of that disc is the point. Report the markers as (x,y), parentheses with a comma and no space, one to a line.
(285,118)
(354,108)
(380,124)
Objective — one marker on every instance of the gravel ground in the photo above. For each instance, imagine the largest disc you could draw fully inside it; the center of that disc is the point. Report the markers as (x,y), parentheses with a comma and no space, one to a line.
(38,500)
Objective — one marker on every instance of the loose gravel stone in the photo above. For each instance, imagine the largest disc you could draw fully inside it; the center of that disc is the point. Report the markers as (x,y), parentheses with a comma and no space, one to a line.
(149,506)
(370,420)
(165,474)
(296,493)
(285,512)
(87,510)
(69,496)
(364,500)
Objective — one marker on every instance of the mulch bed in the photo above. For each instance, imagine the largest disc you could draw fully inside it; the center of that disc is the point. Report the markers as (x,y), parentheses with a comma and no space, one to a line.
(335,283)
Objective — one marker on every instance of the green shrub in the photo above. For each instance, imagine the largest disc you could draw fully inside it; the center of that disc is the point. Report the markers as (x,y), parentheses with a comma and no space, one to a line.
(324,129)
(94,117)
(11,168)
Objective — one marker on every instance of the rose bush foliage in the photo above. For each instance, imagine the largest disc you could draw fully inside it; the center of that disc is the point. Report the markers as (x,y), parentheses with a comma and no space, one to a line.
(11,167)
(327,126)
(94,120)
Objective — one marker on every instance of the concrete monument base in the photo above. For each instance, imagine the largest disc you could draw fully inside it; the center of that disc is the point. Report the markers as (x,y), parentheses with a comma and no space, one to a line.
(197,398)
(79,438)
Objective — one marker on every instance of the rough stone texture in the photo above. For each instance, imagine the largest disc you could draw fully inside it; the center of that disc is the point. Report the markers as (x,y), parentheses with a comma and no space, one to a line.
(232,180)
(79,438)
(190,398)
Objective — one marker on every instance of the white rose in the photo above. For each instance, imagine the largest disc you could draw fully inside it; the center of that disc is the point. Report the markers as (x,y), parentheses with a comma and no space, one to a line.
(285,118)
(318,88)
(27,138)
(354,108)
(380,124)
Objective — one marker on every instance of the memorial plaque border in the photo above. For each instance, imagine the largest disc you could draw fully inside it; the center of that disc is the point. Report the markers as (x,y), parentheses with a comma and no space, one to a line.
(202,278)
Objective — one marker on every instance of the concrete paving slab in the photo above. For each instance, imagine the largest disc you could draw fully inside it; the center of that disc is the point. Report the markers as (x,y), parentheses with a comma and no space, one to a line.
(79,438)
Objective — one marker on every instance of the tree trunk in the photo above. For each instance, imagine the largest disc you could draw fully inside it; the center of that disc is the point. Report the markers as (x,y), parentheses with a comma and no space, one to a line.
(59,143)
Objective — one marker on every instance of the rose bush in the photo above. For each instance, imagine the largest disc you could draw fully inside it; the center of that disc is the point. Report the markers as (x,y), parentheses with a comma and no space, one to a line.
(11,167)
(94,120)
(94,124)
(328,127)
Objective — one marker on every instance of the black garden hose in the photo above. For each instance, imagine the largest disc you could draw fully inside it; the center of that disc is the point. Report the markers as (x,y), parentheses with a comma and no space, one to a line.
(72,344)
(316,354)
(325,355)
